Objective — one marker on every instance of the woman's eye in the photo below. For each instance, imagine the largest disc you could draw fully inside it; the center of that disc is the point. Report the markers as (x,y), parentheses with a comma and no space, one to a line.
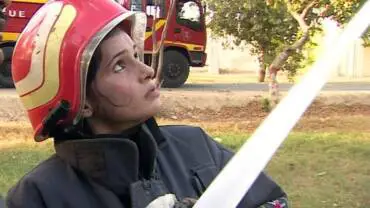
(118,68)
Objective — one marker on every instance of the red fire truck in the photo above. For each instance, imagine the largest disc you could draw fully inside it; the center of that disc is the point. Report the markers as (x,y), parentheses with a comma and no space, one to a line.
(184,45)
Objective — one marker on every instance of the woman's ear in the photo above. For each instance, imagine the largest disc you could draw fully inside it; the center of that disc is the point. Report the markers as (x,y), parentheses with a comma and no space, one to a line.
(88,110)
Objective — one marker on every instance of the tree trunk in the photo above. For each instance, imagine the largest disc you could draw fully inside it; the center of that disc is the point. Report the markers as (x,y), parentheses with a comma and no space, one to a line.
(262,70)
(274,67)
(283,56)
(261,74)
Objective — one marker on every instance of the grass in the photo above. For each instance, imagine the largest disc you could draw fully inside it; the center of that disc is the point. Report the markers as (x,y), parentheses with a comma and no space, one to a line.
(321,169)
(315,169)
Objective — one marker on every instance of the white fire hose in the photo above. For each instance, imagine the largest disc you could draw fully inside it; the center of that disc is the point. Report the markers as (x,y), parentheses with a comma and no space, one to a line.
(239,174)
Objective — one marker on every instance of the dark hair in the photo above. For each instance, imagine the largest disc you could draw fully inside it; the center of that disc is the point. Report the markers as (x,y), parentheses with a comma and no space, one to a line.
(93,67)
(96,59)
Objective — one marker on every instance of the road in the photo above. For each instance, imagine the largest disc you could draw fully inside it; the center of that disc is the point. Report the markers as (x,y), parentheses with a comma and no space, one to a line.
(343,86)
(333,87)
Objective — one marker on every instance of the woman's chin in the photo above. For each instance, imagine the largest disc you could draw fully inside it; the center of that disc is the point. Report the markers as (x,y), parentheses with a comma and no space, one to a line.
(156,106)
(152,108)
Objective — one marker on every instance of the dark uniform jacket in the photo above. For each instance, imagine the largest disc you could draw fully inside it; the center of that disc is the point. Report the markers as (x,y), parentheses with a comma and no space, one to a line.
(131,170)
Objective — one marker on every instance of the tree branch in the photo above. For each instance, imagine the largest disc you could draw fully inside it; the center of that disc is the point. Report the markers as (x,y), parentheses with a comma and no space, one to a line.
(307,8)
(300,17)
(302,24)
(299,43)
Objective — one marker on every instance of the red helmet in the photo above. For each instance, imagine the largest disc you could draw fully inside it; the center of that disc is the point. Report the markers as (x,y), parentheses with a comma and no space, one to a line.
(52,55)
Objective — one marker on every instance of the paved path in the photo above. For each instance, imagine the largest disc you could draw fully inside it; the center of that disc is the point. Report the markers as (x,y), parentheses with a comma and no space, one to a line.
(344,86)
(253,87)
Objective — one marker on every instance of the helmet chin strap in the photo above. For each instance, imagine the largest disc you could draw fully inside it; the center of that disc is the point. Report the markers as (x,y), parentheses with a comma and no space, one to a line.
(160,48)
(54,116)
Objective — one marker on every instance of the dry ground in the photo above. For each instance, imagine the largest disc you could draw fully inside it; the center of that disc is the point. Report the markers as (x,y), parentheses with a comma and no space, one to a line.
(221,112)
(324,163)
(244,111)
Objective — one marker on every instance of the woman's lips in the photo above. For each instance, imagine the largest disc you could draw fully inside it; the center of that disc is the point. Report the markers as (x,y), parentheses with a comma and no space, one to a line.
(153,92)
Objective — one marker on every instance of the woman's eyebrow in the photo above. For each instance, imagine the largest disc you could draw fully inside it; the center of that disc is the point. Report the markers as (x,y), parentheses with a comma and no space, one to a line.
(122,52)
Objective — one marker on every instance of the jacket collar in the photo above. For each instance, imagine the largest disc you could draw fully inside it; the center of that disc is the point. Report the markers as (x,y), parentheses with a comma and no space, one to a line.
(114,162)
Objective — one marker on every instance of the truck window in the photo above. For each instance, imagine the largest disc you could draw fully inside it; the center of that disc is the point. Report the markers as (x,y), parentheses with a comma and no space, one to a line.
(189,14)
(119,1)
(155,10)
(136,5)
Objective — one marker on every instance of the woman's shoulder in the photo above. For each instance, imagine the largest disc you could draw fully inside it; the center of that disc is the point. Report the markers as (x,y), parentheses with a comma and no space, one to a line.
(43,173)
(181,132)
(190,137)
(46,168)
(181,129)
(28,190)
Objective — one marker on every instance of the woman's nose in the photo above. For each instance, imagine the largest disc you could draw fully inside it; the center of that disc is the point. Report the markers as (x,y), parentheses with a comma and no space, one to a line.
(147,72)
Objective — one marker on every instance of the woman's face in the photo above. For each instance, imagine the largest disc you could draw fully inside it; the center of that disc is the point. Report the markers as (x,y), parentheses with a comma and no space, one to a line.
(123,92)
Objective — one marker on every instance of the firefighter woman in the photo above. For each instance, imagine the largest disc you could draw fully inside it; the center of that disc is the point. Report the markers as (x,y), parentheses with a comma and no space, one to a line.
(78,71)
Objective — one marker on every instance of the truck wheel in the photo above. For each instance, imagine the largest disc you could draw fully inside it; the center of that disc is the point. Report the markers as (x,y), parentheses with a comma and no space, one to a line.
(6,79)
(175,69)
